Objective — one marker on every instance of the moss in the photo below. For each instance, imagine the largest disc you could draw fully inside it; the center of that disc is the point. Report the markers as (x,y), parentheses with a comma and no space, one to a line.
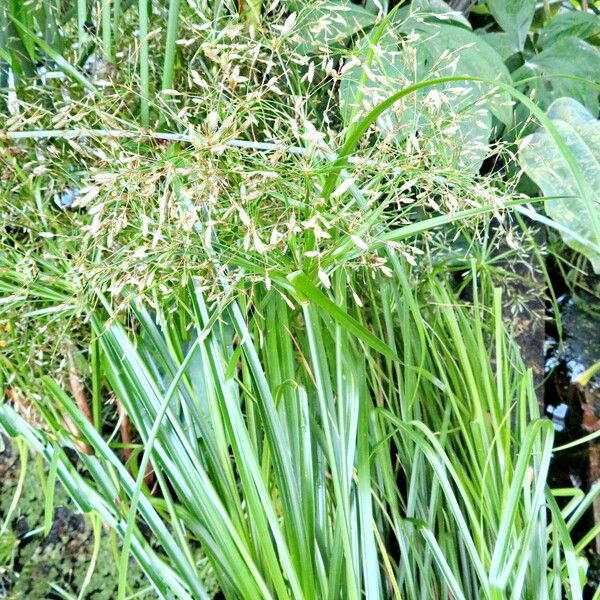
(38,566)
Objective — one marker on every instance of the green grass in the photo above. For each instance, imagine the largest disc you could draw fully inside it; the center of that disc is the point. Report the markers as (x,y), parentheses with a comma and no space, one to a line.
(298,464)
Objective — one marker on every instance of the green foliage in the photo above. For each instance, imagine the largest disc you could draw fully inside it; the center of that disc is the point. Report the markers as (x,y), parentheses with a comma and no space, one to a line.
(569,67)
(292,485)
(434,9)
(456,116)
(502,43)
(328,25)
(545,164)
(514,16)
(585,26)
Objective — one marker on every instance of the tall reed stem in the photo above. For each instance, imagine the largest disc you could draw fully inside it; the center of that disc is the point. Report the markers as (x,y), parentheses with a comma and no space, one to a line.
(81,18)
(144,66)
(107,29)
(170,45)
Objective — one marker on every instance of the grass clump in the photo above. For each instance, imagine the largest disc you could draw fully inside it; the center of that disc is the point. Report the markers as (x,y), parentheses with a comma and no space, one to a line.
(323,467)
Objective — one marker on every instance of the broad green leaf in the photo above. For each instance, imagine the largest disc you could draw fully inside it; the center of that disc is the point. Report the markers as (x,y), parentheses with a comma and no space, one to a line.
(569,110)
(329,25)
(556,66)
(514,16)
(578,24)
(454,120)
(501,42)
(434,9)
(443,49)
(546,166)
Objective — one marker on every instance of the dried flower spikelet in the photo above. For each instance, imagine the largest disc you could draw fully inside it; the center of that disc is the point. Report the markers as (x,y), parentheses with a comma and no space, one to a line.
(324,277)
(344,186)
(358,242)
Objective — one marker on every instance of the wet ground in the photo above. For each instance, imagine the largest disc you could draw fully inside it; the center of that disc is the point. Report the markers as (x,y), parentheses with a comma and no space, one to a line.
(575,408)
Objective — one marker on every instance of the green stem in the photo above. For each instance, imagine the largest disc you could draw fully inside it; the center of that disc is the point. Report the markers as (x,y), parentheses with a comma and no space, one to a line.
(96,383)
(116,16)
(144,66)
(81,18)
(107,29)
(170,45)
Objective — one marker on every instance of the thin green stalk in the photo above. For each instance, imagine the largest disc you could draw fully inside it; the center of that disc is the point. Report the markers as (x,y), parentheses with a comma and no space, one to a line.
(96,366)
(144,62)
(97,533)
(107,29)
(23,455)
(170,45)
(49,495)
(116,18)
(81,20)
